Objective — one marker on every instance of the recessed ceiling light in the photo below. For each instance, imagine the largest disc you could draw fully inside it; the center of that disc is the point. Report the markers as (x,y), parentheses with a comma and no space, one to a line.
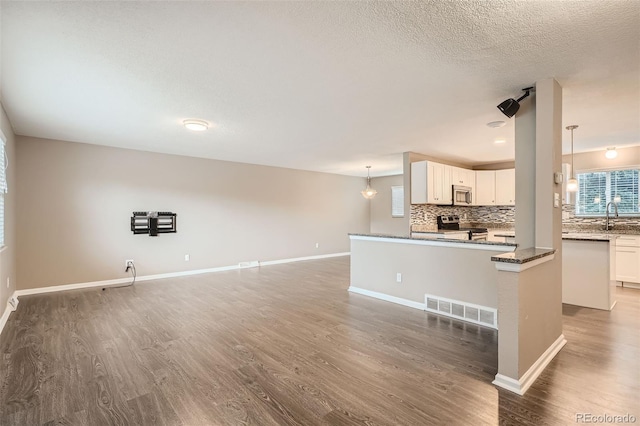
(496,124)
(500,141)
(196,125)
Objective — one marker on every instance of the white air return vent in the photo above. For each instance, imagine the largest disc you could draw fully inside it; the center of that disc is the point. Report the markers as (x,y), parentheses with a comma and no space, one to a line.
(444,307)
(457,310)
(487,317)
(464,311)
(432,304)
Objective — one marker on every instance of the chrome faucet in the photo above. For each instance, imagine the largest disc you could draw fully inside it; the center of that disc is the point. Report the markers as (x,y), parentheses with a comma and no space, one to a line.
(615,207)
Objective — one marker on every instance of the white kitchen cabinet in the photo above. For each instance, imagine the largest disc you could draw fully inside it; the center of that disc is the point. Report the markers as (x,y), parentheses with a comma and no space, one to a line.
(485,190)
(491,236)
(419,182)
(463,177)
(430,183)
(506,187)
(439,189)
(628,258)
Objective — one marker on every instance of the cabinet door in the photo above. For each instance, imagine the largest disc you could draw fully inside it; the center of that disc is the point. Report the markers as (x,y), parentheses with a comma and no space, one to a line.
(438,183)
(470,179)
(485,192)
(462,177)
(506,187)
(419,182)
(627,264)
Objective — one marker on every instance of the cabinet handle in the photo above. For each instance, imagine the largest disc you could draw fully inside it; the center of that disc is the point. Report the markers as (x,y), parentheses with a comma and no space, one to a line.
(626,251)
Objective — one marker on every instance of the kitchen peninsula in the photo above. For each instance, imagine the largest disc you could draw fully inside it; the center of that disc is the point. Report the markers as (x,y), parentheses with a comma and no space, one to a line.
(588,269)
(452,277)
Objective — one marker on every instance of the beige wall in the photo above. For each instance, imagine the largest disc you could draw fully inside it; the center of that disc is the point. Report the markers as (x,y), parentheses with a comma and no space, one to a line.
(76,202)
(381,220)
(464,274)
(8,255)
(596,159)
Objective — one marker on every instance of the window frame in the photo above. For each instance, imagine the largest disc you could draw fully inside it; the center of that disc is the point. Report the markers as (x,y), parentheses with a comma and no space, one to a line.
(608,171)
(393,213)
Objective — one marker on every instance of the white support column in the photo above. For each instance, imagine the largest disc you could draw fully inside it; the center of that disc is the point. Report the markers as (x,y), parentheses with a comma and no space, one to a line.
(530,298)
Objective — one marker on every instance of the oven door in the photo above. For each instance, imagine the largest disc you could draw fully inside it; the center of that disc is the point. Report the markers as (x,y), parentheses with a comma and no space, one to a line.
(461,195)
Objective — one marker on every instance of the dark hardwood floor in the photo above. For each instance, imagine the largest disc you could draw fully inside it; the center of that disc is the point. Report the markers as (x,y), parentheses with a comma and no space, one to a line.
(287,344)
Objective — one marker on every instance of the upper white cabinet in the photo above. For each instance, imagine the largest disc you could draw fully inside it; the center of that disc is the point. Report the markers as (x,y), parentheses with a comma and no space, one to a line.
(430,183)
(419,182)
(485,191)
(506,187)
(439,183)
(463,177)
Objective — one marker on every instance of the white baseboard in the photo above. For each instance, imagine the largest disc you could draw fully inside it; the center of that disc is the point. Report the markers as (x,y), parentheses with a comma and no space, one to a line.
(7,311)
(524,383)
(299,259)
(120,281)
(386,297)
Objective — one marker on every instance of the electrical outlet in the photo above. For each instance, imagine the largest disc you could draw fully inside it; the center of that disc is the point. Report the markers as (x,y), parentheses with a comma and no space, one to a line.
(126,264)
(187,258)
(317,245)
(8,282)
(399,277)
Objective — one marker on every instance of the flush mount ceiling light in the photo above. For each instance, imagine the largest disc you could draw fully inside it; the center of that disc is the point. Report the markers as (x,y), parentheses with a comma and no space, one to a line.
(368,192)
(196,125)
(496,124)
(499,141)
(572,183)
(511,106)
(611,153)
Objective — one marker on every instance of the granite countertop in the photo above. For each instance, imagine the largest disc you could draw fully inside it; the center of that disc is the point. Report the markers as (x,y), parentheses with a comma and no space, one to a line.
(448,240)
(589,237)
(576,236)
(430,229)
(523,255)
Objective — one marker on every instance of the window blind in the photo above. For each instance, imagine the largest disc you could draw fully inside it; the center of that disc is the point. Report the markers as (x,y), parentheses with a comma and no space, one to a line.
(397,201)
(597,189)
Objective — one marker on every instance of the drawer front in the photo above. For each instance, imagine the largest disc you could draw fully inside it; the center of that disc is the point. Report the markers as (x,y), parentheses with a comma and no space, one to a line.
(628,240)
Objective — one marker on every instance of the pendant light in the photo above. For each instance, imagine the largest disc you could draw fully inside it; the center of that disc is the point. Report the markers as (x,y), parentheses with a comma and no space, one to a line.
(369,192)
(572,183)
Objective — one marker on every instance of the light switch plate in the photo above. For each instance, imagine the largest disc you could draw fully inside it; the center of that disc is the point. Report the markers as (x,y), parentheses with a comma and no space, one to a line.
(558,177)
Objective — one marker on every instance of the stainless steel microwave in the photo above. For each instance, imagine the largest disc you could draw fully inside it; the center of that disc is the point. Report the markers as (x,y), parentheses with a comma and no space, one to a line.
(462,195)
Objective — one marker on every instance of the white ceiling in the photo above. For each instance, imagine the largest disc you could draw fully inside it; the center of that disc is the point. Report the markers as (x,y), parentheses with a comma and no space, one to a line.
(324,86)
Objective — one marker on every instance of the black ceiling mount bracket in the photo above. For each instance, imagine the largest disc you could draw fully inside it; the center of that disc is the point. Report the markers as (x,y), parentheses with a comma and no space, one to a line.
(511,106)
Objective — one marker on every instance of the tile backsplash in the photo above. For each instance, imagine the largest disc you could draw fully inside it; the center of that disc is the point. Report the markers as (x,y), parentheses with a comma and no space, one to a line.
(425,214)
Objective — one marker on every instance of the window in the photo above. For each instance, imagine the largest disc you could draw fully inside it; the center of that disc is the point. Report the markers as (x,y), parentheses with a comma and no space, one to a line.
(597,188)
(397,201)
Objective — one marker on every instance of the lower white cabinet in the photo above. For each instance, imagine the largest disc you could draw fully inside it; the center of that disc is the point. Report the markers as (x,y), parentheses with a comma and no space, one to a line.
(628,258)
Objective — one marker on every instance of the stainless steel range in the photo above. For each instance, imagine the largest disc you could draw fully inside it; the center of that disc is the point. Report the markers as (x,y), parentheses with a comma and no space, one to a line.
(452,223)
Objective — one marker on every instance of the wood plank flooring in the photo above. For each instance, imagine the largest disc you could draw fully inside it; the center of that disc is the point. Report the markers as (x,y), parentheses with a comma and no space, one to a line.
(287,344)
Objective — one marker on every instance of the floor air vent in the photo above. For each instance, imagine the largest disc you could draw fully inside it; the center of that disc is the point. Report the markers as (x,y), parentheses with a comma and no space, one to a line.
(461,310)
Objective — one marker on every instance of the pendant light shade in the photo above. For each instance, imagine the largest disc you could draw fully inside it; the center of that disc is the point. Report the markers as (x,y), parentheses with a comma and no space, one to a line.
(572,183)
(368,192)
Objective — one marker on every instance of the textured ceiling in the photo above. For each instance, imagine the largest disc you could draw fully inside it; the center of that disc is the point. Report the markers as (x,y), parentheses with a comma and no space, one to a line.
(325,86)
